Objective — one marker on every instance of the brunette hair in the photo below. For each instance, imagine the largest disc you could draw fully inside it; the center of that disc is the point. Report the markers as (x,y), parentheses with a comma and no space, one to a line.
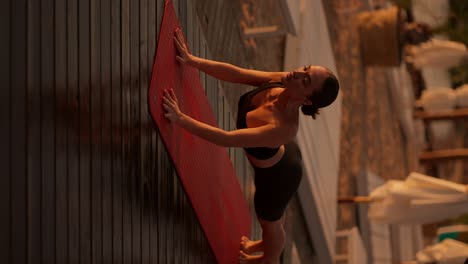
(324,97)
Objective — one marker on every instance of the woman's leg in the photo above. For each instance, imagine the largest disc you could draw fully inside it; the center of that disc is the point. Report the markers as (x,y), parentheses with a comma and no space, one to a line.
(273,240)
(272,244)
(252,246)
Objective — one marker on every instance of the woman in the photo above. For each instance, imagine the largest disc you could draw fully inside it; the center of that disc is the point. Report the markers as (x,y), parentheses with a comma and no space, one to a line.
(267,124)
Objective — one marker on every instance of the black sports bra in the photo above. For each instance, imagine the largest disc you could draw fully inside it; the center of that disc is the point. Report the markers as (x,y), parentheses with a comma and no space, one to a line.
(244,107)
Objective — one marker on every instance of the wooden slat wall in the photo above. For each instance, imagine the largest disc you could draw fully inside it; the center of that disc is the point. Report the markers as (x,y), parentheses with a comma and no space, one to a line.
(18,137)
(5,132)
(33,136)
(225,44)
(85,176)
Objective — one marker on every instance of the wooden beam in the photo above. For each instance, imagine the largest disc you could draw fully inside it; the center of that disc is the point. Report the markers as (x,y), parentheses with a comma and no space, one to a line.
(355,199)
(443,155)
(265,32)
(461,113)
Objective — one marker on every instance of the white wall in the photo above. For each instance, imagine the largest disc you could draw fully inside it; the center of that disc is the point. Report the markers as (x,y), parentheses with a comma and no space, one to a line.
(318,139)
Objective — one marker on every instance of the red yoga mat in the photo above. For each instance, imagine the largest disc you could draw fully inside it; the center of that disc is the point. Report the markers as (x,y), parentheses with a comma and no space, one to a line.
(205,169)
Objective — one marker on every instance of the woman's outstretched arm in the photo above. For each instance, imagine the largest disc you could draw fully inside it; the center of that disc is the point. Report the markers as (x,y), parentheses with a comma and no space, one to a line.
(264,136)
(221,70)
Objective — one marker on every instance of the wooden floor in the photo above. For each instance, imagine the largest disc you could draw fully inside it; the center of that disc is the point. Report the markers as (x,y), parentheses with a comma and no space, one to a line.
(86,176)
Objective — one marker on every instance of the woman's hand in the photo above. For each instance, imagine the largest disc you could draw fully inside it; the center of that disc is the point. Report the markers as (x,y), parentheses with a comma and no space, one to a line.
(171,105)
(184,54)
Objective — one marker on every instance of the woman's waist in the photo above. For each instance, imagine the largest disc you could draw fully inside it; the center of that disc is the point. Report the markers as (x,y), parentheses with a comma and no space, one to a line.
(288,153)
(262,153)
(265,163)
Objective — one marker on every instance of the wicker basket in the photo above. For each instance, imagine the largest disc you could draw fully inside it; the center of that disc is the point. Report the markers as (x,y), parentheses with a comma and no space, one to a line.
(379,33)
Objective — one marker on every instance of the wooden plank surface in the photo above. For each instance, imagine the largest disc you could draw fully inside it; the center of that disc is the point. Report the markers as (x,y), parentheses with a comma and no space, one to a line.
(96,131)
(5,131)
(160,195)
(18,194)
(84,82)
(151,133)
(73,134)
(144,146)
(61,143)
(160,203)
(135,137)
(106,130)
(34,132)
(99,186)
(126,155)
(116,134)
(48,131)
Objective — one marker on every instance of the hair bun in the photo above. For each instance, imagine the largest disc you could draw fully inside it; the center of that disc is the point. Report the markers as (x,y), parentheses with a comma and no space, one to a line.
(310,110)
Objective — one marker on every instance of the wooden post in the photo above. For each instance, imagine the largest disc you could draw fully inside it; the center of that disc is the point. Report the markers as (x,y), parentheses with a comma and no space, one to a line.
(454,114)
(355,199)
(443,155)
(430,156)
(265,32)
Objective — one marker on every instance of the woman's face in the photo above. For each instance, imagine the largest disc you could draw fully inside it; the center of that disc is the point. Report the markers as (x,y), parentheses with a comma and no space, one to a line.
(306,80)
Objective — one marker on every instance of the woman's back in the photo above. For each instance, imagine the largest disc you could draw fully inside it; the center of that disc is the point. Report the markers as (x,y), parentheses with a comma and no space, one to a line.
(244,107)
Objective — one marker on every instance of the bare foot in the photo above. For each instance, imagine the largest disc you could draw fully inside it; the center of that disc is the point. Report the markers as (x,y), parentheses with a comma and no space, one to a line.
(249,246)
(249,259)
